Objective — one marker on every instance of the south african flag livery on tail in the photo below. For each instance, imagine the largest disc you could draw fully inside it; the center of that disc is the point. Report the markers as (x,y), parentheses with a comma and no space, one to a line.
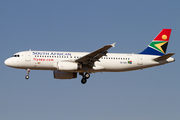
(159,45)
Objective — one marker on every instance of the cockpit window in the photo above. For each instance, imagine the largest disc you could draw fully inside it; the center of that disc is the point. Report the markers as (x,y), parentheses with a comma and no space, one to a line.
(16,56)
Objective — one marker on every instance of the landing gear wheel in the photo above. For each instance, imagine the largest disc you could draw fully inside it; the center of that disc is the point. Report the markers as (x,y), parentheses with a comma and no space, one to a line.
(83,81)
(87,75)
(27,76)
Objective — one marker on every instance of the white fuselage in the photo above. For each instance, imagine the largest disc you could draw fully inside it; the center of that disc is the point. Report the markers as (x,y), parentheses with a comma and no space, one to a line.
(66,65)
(112,62)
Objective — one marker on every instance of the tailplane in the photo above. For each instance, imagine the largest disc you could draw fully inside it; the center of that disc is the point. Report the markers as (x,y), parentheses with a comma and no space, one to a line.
(164,57)
(159,45)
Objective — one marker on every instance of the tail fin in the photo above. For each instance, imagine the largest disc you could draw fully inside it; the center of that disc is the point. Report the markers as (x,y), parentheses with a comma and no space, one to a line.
(159,45)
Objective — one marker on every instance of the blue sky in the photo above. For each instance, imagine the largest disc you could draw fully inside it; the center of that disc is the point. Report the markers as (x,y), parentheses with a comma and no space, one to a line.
(67,25)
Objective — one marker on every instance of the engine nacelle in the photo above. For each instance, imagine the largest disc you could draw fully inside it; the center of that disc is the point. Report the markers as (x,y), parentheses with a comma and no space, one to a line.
(68,66)
(64,75)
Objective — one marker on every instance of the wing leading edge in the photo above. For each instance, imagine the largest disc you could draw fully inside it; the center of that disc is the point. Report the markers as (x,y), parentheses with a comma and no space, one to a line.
(92,57)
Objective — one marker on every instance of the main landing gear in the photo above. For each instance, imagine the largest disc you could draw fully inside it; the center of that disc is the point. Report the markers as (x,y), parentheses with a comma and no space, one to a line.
(27,76)
(84,77)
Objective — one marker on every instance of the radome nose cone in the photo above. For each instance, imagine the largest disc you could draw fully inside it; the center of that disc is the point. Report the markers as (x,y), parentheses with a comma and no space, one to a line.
(7,62)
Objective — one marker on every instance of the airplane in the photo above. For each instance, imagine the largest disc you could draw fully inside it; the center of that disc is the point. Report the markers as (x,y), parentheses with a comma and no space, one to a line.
(66,65)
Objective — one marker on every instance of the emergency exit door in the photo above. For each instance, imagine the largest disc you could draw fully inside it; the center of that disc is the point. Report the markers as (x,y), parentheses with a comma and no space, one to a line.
(140,60)
(28,56)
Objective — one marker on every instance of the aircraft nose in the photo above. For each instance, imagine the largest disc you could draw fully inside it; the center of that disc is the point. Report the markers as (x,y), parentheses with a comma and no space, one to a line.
(7,62)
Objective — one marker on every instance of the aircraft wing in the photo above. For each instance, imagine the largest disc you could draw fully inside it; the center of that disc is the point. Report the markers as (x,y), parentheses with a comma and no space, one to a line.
(92,57)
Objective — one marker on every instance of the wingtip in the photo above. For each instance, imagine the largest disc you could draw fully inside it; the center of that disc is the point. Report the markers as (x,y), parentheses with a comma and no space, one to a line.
(113,45)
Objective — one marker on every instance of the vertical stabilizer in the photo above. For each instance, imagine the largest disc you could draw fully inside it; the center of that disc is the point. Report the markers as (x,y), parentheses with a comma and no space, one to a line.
(159,45)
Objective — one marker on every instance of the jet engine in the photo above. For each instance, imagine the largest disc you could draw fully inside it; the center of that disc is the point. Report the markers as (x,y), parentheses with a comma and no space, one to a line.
(68,66)
(64,75)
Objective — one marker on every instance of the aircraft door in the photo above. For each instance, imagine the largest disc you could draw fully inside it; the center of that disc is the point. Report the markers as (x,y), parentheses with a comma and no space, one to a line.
(28,56)
(140,60)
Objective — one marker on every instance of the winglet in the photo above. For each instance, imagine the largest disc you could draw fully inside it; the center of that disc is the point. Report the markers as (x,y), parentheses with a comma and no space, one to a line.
(113,45)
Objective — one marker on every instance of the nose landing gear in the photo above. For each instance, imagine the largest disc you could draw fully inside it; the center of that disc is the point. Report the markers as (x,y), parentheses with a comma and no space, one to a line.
(27,76)
(84,77)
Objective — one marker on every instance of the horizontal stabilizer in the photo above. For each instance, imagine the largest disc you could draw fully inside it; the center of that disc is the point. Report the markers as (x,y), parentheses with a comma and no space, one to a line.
(164,57)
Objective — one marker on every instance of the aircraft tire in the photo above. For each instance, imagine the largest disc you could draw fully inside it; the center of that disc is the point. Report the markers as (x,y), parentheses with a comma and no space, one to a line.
(27,76)
(87,75)
(83,81)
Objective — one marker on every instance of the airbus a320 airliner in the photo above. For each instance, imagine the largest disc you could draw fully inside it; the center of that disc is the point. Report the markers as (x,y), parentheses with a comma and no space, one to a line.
(66,65)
